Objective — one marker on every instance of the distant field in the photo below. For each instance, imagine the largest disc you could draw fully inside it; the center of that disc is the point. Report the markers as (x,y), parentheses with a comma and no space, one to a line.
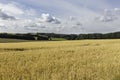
(58,39)
(60,60)
(3,40)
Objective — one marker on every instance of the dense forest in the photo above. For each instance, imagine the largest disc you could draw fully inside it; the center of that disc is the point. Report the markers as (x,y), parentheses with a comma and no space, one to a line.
(49,36)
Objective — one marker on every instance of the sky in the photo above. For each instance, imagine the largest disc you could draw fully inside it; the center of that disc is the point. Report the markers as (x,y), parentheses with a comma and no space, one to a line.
(59,16)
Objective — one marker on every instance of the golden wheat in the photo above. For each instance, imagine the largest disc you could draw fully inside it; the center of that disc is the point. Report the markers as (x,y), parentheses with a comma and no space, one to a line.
(62,60)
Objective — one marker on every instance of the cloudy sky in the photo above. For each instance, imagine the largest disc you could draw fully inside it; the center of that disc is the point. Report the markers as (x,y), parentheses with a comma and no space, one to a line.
(59,16)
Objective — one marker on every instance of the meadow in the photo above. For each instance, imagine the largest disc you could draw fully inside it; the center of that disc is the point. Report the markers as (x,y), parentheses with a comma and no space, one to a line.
(60,60)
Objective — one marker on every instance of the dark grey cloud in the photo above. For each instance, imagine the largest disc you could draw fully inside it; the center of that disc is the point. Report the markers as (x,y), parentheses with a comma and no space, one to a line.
(4,16)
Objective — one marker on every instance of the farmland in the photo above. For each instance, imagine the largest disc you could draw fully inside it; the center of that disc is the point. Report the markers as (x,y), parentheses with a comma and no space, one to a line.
(60,60)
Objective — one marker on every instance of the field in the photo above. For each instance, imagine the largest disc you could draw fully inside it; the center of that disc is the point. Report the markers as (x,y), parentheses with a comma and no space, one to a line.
(60,60)
(11,40)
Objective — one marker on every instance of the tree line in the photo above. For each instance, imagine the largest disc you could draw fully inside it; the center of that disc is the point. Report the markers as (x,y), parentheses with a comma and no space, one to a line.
(49,36)
(28,36)
(114,35)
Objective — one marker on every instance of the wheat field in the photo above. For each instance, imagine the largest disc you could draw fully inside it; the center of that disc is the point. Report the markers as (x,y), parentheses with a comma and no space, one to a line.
(60,60)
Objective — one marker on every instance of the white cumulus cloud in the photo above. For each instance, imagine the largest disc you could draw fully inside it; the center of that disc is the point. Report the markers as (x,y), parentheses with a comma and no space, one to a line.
(109,15)
(48,18)
(11,9)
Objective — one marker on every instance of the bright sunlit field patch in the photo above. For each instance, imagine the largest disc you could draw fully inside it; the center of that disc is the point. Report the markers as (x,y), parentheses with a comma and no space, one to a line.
(60,60)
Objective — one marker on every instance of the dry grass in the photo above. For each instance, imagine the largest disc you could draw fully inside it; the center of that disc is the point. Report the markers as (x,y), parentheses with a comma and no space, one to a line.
(64,60)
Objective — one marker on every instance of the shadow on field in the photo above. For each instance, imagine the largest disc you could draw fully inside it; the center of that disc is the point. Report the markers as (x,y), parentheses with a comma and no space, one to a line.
(13,49)
(22,49)
(117,77)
